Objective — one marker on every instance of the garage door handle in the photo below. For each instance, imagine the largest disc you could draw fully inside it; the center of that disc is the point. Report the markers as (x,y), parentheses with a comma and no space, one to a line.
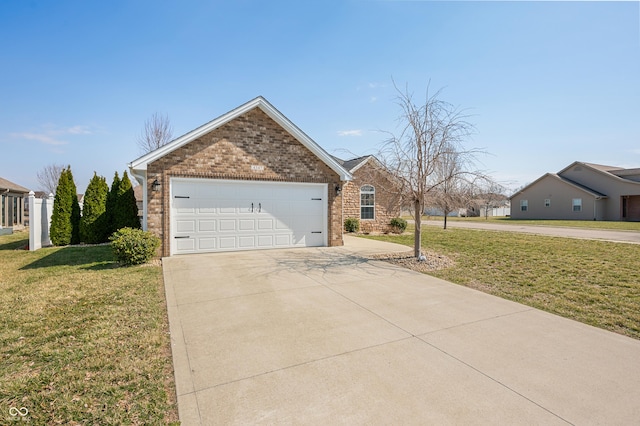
(180,196)
(181,236)
(316,232)
(316,199)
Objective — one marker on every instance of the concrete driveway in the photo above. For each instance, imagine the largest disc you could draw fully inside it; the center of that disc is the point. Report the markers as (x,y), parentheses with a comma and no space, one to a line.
(325,336)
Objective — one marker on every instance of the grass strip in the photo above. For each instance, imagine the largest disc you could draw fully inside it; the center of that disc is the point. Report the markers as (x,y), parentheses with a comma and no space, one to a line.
(83,340)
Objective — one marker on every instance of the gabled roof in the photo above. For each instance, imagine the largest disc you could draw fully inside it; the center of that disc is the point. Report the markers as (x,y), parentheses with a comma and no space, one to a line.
(353,164)
(609,171)
(259,102)
(566,181)
(13,187)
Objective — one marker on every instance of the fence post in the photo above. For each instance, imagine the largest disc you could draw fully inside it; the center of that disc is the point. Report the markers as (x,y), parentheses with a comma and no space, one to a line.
(34,221)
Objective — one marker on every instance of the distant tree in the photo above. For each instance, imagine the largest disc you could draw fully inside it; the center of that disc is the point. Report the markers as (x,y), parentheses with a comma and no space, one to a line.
(126,209)
(111,206)
(93,224)
(157,132)
(65,218)
(49,177)
(454,191)
(492,195)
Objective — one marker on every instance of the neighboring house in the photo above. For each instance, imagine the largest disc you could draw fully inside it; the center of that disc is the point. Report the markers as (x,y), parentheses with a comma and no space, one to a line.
(12,205)
(249,179)
(581,191)
(372,196)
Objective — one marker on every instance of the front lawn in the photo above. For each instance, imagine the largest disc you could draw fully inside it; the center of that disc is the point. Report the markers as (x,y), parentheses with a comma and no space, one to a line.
(591,224)
(82,340)
(595,282)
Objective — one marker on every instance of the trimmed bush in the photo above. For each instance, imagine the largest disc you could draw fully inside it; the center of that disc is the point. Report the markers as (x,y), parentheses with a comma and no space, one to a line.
(352,224)
(126,213)
(134,246)
(65,220)
(93,224)
(398,225)
(112,196)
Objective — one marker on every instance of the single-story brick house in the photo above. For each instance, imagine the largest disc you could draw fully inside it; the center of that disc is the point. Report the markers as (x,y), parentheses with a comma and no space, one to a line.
(12,205)
(372,195)
(249,179)
(581,191)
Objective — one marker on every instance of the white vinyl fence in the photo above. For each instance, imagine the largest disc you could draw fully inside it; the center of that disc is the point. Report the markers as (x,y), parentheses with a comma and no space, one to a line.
(40,210)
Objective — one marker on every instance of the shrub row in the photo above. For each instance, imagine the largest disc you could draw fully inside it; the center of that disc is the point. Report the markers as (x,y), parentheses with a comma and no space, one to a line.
(397,224)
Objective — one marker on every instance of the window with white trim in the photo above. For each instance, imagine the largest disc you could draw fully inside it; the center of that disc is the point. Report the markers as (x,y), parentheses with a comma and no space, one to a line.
(367,202)
(524,205)
(577,204)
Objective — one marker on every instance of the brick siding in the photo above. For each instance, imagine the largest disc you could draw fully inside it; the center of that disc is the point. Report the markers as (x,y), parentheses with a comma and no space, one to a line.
(386,198)
(229,152)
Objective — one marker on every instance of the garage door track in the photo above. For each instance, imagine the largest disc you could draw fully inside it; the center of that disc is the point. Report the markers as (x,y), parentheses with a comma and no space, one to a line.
(325,335)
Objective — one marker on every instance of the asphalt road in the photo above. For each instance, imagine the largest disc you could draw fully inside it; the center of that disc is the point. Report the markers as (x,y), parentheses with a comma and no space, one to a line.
(631,237)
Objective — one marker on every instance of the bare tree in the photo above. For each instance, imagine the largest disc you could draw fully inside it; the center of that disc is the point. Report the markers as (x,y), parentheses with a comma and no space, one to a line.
(455,190)
(429,132)
(492,195)
(49,176)
(157,132)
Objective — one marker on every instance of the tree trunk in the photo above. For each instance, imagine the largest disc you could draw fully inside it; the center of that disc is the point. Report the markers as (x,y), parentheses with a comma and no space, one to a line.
(418,231)
(445,220)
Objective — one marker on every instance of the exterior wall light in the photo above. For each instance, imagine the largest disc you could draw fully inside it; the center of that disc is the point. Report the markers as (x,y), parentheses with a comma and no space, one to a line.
(338,189)
(155,186)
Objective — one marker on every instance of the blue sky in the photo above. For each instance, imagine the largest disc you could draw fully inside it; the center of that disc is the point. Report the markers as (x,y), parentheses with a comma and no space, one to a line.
(546,83)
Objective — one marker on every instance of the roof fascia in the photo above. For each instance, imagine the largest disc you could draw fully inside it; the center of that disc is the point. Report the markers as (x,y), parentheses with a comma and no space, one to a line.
(259,102)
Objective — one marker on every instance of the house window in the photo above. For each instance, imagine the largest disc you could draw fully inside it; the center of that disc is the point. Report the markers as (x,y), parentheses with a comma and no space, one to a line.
(524,205)
(367,202)
(577,204)
(547,202)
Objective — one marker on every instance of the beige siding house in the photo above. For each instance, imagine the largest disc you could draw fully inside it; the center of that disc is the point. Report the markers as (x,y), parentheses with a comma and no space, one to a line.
(581,191)
(249,179)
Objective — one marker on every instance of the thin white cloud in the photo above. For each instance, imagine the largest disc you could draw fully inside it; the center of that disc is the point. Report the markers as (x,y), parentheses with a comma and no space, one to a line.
(47,139)
(78,130)
(52,135)
(373,99)
(354,132)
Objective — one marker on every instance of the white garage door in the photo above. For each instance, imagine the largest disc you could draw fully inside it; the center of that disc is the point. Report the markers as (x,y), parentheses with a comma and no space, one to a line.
(215,215)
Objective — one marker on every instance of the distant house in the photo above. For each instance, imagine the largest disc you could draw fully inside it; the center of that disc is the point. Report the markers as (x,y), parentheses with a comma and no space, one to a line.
(12,205)
(581,191)
(372,196)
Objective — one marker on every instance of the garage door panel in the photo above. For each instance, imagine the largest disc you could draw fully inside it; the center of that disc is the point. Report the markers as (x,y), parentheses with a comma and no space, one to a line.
(265,240)
(207,243)
(244,215)
(206,225)
(227,225)
(186,225)
(228,243)
(265,224)
(247,225)
(186,244)
(246,241)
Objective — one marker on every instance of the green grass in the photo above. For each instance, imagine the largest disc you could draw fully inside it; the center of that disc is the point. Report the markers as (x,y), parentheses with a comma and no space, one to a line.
(594,282)
(82,340)
(592,224)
